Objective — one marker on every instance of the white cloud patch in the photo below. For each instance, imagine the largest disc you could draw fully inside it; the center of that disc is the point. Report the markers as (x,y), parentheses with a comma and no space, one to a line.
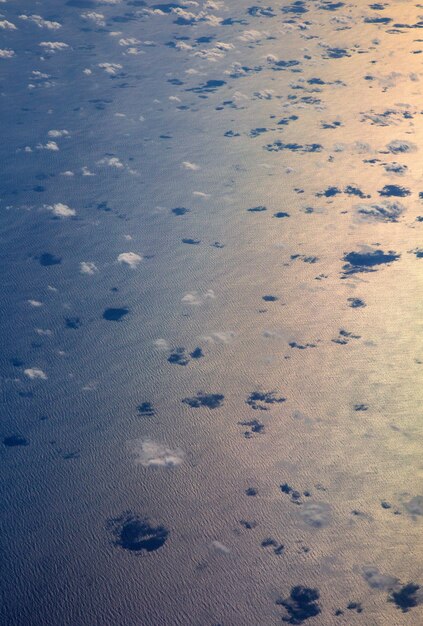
(41,22)
(111,162)
(43,332)
(5,25)
(161,344)
(88,267)
(53,45)
(217,546)
(149,453)
(6,54)
(35,303)
(130,258)
(58,133)
(110,68)
(34,373)
(222,336)
(50,145)
(194,298)
(92,16)
(190,166)
(61,210)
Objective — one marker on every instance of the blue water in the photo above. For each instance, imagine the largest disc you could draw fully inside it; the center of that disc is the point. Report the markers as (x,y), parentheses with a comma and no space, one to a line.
(210,242)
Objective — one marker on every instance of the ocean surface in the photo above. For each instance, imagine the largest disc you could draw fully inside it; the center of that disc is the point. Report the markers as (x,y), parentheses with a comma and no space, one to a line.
(211,241)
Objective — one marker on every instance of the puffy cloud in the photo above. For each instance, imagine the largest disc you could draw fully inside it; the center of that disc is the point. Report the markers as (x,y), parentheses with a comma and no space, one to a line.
(161,344)
(6,54)
(130,258)
(43,332)
(129,41)
(194,298)
(190,166)
(61,210)
(35,303)
(58,133)
(110,68)
(88,267)
(35,372)
(111,162)
(92,16)
(223,336)
(5,25)
(53,45)
(50,145)
(41,22)
(217,546)
(152,454)
(86,172)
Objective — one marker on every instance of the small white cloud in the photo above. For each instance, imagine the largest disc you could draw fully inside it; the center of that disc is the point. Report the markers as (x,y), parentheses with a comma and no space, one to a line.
(110,68)
(88,267)
(92,16)
(35,303)
(130,258)
(35,372)
(190,166)
(217,546)
(61,210)
(44,332)
(58,133)
(224,336)
(86,171)
(129,41)
(111,162)
(41,22)
(195,298)
(87,71)
(6,54)
(5,25)
(53,45)
(201,194)
(152,454)
(67,173)
(50,145)
(161,344)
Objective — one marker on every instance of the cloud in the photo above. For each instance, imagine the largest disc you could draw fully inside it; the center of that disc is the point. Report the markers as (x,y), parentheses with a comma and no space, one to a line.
(110,68)
(5,25)
(190,166)
(53,45)
(130,258)
(43,332)
(149,453)
(217,546)
(86,172)
(87,267)
(111,162)
(50,145)
(58,133)
(41,22)
(35,372)
(35,303)
(194,298)
(61,210)
(161,344)
(6,54)
(97,18)
(223,336)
